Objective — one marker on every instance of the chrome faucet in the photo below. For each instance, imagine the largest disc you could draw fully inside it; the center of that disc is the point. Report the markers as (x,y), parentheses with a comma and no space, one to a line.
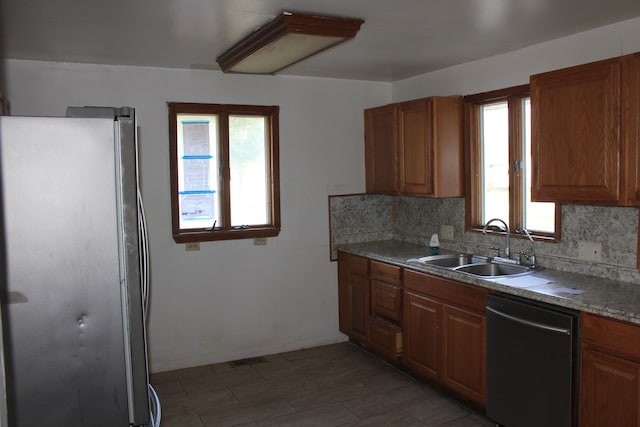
(507,249)
(529,258)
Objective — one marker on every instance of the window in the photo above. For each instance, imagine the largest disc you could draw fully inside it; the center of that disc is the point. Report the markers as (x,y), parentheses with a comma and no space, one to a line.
(499,138)
(224,171)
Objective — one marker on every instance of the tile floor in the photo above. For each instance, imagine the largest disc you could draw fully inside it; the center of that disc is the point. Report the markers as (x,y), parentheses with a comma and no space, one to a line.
(334,385)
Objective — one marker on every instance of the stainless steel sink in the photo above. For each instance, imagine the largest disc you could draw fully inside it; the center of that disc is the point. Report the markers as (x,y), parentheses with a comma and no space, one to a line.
(476,265)
(451,260)
(494,269)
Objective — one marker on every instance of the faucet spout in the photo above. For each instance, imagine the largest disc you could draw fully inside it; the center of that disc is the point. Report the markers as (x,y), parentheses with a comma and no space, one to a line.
(507,249)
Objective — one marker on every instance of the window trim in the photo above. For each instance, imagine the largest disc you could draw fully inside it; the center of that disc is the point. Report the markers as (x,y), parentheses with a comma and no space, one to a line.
(473,203)
(224,231)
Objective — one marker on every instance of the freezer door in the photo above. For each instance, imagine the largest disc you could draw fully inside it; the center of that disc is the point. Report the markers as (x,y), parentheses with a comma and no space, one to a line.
(67,358)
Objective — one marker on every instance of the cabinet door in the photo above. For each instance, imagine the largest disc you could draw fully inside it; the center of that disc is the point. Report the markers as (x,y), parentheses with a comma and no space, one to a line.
(631,125)
(421,331)
(416,147)
(575,125)
(353,295)
(609,391)
(430,147)
(381,149)
(359,296)
(448,143)
(344,301)
(464,363)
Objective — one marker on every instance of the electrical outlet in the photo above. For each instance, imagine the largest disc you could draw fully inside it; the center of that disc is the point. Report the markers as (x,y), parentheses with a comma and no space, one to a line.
(193,246)
(260,241)
(590,251)
(446,232)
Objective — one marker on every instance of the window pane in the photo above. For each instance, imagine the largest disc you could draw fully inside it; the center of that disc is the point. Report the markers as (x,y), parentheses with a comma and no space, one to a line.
(495,161)
(538,216)
(197,171)
(249,164)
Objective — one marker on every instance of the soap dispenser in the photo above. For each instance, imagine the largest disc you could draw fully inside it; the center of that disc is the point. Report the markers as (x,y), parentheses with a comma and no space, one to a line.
(434,244)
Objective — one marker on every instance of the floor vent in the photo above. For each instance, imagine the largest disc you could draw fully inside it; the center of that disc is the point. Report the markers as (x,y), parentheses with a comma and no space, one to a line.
(245,362)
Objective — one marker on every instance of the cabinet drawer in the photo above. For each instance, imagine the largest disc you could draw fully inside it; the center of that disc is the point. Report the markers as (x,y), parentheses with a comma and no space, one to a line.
(385,272)
(386,300)
(459,294)
(357,265)
(385,338)
(620,337)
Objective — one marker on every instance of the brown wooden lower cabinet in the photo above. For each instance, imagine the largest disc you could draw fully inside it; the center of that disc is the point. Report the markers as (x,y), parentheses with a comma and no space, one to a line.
(434,327)
(464,349)
(353,296)
(421,320)
(359,295)
(445,332)
(437,328)
(609,391)
(610,373)
(369,308)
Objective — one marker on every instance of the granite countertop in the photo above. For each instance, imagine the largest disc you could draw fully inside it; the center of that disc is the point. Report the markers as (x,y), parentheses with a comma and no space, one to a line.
(609,298)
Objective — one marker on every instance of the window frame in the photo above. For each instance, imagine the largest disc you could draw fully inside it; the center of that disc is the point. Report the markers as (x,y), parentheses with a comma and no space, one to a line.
(224,231)
(473,140)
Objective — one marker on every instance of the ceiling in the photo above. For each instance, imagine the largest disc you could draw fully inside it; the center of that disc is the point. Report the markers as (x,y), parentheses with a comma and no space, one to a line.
(399,39)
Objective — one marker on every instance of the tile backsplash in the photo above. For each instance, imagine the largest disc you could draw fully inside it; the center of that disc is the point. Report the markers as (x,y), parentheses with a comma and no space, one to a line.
(360,218)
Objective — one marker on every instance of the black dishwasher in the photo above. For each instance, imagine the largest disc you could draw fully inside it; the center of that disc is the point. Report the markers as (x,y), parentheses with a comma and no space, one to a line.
(532,363)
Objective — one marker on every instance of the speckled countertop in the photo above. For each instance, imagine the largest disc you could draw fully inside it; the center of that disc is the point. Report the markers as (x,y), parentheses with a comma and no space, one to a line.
(618,300)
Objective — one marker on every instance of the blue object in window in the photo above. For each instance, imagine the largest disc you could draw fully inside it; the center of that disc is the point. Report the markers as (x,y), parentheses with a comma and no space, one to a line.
(197,192)
(198,157)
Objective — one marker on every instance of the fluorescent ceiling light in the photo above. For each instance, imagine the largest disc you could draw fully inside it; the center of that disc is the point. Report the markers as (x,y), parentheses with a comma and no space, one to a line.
(289,38)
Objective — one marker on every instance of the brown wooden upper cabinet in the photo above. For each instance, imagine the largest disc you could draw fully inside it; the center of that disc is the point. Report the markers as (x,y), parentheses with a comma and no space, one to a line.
(584,133)
(381,149)
(415,148)
(631,127)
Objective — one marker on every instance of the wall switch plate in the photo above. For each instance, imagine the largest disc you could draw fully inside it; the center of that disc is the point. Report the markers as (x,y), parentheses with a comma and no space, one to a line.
(192,246)
(590,251)
(446,232)
(259,241)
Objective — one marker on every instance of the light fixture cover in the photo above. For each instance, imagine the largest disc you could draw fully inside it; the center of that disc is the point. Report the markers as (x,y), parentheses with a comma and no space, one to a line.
(289,38)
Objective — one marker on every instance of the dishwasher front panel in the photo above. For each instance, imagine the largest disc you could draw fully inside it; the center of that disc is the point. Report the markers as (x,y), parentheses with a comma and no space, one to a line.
(531,364)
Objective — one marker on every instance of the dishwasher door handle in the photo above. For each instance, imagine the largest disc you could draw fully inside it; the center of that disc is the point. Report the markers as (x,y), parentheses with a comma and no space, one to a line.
(529,322)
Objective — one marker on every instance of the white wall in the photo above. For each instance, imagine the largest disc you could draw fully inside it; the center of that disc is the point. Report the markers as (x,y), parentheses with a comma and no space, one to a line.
(231,300)
(514,68)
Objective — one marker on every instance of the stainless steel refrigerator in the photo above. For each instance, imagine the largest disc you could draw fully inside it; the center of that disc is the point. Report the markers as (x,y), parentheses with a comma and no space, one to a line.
(76,276)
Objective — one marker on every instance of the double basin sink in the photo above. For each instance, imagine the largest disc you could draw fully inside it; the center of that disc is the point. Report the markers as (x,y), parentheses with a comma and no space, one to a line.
(476,265)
